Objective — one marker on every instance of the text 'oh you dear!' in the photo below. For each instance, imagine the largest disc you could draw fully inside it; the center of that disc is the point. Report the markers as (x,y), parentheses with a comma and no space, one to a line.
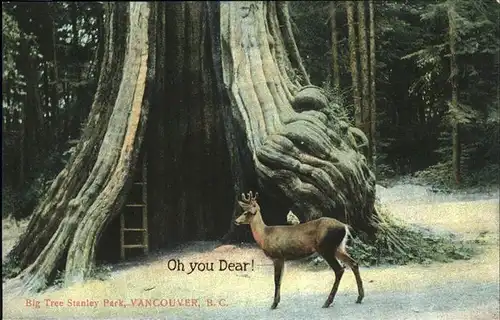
(219,265)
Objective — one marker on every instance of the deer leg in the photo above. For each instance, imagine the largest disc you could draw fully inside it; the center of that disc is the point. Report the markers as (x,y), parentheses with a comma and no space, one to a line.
(278,273)
(339,271)
(353,265)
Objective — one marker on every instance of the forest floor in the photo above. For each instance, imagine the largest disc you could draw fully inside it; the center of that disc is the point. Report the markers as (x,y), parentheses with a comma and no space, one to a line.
(466,289)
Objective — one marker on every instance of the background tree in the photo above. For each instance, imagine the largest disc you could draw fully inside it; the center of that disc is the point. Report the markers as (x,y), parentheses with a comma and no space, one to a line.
(335,54)
(364,77)
(353,62)
(413,84)
(460,40)
(373,62)
(454,90)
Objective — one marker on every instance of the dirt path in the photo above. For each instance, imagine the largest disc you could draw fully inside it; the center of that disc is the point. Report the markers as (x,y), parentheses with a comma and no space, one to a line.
(457,290)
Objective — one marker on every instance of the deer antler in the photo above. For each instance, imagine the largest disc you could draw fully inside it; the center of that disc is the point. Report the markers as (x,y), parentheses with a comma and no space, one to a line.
(245,199)
(255,197)
(250,198)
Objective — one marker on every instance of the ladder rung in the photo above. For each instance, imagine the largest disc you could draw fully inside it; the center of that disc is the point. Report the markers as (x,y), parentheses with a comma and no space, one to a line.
(134,246)
(135,205)
(134,229)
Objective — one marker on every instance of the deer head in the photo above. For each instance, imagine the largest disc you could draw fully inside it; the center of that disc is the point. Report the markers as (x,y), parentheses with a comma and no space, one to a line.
(250,208)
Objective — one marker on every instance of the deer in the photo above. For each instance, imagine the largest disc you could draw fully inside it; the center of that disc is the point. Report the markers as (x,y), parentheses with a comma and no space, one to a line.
(324,236)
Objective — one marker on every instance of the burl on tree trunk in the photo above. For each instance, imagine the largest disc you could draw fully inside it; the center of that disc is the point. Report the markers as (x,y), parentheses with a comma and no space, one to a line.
(281,137)
(300,146)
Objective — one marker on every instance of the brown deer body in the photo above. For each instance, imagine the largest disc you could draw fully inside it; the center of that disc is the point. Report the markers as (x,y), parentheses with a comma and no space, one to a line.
(326,236)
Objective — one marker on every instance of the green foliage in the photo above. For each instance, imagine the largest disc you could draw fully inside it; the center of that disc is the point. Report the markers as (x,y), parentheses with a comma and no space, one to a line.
(413,79)
(10,38)
(101,272)
(337,99)
(384,171)
(21,202)
(312,36)
(10,268)
(51,67)
(399,243)
(59,279)
(439,175)
(336,95)
(11,201)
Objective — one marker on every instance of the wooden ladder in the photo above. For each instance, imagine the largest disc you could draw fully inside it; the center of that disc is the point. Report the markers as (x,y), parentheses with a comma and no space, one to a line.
(144,229)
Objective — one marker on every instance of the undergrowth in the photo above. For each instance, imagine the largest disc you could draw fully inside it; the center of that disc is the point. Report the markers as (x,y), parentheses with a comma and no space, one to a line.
(10,268)
(399,243)
(101,272)
(441,176)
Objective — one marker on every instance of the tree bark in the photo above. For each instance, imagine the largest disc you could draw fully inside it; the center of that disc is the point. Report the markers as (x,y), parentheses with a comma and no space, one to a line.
(373,107)
(88,192)
(353,62)
(334,43)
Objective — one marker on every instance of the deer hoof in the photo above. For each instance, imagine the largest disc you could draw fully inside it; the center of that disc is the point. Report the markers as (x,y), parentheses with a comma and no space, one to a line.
(359,299)
(326,304)
(275,304)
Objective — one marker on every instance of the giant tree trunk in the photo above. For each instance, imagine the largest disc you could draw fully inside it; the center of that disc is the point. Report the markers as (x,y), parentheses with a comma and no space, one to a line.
(227,115)
(67,223)
(300,150)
